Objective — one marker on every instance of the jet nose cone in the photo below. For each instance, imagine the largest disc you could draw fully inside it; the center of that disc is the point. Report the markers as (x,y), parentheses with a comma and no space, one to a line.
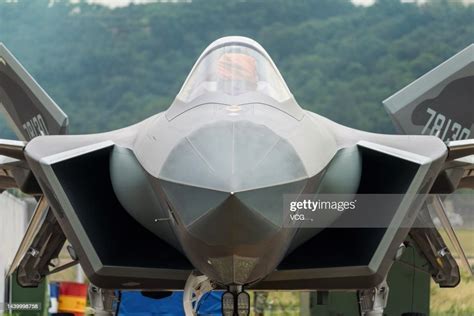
(233,156)
(225,182)
(235,238)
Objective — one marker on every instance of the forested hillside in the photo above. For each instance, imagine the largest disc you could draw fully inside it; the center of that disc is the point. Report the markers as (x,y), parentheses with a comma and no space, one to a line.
(110,68)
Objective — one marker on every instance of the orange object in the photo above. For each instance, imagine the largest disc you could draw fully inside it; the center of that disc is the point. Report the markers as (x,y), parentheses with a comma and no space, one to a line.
(72,298)
(237,66)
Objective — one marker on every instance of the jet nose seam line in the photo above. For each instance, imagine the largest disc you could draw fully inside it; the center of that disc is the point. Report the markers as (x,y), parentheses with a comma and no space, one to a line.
(233,148)
(266,153)
(200,155)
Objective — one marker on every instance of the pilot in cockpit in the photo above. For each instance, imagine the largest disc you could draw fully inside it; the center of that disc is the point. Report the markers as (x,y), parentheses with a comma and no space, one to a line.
(234,71)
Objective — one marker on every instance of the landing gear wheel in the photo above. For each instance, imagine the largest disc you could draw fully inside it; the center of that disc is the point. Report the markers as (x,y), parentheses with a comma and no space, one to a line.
(228,304)
(243,304)
(235,302)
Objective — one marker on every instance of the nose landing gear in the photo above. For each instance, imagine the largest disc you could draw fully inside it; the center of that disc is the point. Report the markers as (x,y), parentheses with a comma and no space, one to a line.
(235,302)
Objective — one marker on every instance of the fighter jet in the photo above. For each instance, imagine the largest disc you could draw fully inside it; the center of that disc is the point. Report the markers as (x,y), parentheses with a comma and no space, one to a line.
(193,197)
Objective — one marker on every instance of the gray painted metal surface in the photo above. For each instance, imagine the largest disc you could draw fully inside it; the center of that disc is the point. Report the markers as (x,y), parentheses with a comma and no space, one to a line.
(200,185)
(439,103)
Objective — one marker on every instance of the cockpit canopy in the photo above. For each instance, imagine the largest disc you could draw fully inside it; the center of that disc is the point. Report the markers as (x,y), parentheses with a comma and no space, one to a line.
(234,66)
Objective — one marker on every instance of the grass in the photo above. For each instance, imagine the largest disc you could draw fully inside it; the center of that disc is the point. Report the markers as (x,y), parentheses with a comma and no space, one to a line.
(283,303)
(280,303)
(458,301)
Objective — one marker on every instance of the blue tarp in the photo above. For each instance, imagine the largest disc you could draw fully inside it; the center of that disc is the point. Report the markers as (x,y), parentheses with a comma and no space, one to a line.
(135,304)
